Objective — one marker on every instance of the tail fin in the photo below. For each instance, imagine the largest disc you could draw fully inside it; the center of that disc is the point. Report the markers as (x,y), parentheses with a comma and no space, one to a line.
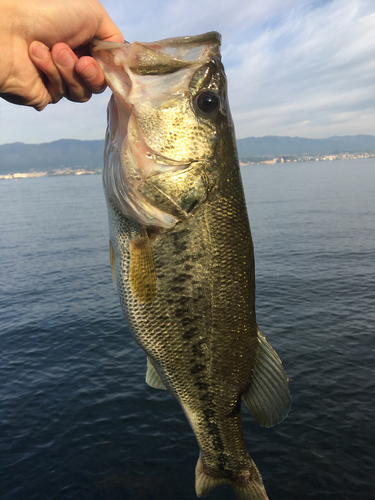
(253,489)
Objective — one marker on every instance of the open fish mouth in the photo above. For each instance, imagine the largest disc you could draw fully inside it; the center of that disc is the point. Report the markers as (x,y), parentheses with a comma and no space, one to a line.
(152,85)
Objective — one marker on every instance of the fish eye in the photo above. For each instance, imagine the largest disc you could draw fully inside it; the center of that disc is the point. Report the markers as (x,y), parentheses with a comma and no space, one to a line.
(207,101)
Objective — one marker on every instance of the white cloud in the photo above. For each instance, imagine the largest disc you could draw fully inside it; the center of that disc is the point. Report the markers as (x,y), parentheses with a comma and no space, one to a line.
(310,67)
(297,67)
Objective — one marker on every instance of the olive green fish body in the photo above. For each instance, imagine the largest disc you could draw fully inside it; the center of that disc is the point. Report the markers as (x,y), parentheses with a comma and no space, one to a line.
(181,248)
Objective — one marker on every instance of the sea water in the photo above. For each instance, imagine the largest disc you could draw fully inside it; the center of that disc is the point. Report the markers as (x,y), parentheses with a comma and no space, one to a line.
(77,420)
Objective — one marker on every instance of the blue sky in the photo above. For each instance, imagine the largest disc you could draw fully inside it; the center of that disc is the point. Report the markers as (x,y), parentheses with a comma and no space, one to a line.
(296,67)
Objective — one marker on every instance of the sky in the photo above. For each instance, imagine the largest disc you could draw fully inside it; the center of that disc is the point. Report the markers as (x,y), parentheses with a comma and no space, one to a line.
(301,68)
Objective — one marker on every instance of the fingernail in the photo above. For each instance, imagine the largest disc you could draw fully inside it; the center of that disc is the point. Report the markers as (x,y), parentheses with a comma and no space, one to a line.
(90,72)
(65,59)
(40,51)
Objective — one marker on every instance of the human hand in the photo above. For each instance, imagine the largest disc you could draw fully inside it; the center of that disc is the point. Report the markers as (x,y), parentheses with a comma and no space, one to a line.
(46,54)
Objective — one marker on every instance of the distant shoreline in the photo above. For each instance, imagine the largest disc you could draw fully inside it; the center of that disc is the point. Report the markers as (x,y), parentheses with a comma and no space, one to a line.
(53,173)
(244,162)
(76,157)
(269,160)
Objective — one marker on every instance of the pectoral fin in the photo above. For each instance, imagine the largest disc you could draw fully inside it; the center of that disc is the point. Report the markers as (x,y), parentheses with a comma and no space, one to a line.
(152,377)
(268,396)
(112,259)
(142,273)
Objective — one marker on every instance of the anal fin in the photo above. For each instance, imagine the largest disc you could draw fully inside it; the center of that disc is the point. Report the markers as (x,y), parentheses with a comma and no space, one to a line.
(152,377)
(268,396)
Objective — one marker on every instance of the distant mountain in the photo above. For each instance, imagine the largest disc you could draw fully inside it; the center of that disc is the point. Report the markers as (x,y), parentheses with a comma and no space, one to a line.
(277,146)
(62,154)
(73,154)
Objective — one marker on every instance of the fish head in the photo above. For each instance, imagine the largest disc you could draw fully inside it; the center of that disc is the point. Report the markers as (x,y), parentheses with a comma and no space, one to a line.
(166,117)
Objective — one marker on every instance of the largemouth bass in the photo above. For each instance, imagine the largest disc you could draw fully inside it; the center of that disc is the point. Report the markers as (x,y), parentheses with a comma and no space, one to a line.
(181,249)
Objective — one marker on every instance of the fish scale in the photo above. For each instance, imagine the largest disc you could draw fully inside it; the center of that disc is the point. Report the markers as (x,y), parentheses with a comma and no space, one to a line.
(181,248)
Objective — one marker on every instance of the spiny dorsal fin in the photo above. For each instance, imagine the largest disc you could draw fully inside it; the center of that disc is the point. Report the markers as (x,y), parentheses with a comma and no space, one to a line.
(152,377)
(268,396)
(112,259)
(142,273)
